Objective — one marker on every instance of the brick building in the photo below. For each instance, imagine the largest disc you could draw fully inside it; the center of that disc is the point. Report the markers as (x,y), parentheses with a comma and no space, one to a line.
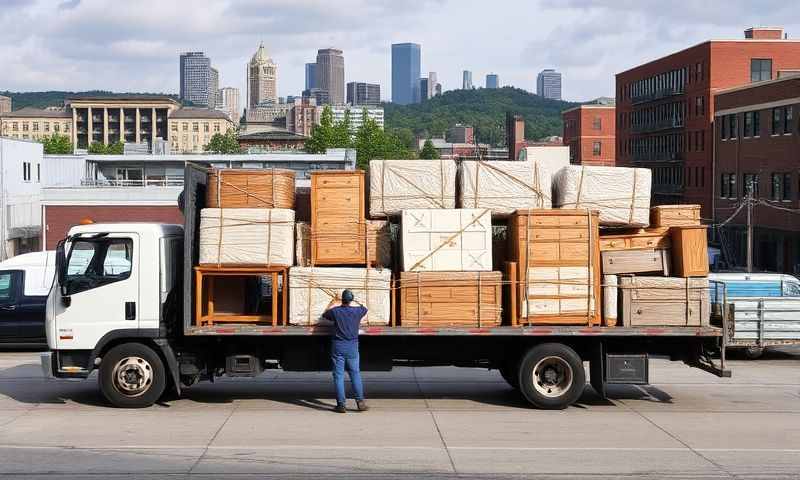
(589,132)
(757,149)
(665,108)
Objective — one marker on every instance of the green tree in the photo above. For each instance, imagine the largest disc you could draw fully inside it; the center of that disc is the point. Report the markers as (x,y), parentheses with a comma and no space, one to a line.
(97,148)
(322,135)
(341,132)
(224,143)
(57,145)
(116,148)
(371,142)
(428,151)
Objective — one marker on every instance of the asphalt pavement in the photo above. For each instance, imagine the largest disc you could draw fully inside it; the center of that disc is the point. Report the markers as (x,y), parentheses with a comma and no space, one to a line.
(424,423)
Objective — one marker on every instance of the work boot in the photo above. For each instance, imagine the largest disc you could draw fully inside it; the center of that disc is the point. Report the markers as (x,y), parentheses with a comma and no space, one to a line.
(362,406)
(339,409)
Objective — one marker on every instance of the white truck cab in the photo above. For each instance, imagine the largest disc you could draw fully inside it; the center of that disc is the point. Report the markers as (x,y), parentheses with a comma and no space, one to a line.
(112,282)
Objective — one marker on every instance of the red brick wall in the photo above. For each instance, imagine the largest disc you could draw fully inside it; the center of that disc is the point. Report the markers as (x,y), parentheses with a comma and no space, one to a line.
(580,135)
(60,218)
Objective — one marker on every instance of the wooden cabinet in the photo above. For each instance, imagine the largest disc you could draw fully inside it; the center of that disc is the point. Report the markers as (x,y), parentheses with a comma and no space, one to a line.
(664,301)
(689,251)
(675,215)
(558,265)
(655,238)
(338,224)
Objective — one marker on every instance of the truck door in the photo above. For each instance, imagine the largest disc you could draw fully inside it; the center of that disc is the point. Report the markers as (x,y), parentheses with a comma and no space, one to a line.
(100,290)
(12,325)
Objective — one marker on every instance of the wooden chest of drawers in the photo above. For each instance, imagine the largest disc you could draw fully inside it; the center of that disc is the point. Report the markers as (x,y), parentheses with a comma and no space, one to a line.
(675,215)
(338,224)
(657,238)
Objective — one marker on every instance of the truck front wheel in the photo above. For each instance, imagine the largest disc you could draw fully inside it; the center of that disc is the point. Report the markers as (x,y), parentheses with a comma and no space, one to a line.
(551,376)
(132,375)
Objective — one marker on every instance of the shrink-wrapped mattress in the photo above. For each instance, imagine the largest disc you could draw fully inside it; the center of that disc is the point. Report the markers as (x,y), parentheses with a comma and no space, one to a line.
(621,195)
(396,185)
(247,236)
(456,240)
(313,289)
(504,187)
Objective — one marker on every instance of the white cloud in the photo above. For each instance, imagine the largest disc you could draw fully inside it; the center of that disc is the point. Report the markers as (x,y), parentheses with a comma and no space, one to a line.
(134,46)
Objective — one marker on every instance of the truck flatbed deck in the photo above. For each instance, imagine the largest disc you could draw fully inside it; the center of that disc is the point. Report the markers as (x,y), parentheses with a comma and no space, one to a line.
(539,330)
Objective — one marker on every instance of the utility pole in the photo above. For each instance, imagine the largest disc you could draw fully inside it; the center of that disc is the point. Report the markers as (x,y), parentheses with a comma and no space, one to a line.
(750,227)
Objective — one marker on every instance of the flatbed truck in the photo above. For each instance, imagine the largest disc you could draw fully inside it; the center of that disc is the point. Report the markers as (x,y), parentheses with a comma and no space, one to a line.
(136,326)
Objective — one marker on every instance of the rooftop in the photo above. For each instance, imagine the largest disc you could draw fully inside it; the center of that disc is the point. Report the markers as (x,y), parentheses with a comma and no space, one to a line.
(30,112)
(272,135)
(121,98)
(787,78)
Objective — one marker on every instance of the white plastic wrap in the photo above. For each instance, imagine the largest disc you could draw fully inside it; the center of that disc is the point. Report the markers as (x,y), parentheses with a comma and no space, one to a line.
(380,237)
(558,291)
(505,186)
(621,195)
(396,185)
(313,289)
(248,236)
(610,299)
(455,240)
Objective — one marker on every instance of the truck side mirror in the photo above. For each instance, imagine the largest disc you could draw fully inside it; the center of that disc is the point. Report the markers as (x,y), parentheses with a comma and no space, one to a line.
(61,273)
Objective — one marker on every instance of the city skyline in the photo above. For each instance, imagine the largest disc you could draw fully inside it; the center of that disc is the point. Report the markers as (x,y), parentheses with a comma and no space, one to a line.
(73,50)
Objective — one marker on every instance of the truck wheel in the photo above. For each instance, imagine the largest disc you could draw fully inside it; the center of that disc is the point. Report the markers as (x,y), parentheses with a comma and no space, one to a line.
(132,376)
(511,375)
(753,353)
(551,376)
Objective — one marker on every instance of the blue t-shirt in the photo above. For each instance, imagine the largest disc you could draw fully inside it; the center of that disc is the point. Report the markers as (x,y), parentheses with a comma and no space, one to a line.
(346,320)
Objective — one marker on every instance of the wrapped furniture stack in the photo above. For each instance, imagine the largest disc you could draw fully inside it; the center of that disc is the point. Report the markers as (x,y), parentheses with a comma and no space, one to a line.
(246,238)
(338,251)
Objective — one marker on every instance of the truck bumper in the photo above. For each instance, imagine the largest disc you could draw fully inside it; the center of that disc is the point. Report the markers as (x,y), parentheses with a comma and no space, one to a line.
(47,364)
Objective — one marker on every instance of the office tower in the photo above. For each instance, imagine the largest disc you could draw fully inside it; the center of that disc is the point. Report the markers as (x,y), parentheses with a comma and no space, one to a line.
(432,82)
(311,76)
(423,88)
(492,81)
(213,88)
(548,84)
(405,73)
(262,79)
(322,97)
(330,73)
(466,82)
(360,93)
(229,102)
(195,78)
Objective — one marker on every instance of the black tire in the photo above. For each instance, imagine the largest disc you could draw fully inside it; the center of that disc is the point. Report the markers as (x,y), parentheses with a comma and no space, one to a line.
(559,380)
(132,375)
(511,375)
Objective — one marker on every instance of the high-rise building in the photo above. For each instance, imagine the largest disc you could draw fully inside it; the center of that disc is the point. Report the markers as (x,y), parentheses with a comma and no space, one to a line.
(311,76)
(360,93)
(424,87)
(405,73)
(262,79)
(229,102)
(466,82)
(330,73)
(548,84)
(432,82)
(213,89)
(195,78)
(438,89)
(665,110)
(5,104)
(322,97)
(492,80)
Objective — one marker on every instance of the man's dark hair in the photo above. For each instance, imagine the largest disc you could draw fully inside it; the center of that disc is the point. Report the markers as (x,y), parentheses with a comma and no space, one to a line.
(347,297)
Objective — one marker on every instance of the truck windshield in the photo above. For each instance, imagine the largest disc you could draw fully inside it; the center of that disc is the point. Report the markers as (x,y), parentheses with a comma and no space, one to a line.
(96,262)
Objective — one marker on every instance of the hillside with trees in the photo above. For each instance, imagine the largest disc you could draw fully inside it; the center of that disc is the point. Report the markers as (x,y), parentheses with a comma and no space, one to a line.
(485,109)
(55,98)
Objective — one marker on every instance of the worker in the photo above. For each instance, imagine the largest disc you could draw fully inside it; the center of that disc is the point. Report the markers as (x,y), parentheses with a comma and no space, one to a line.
(346,320)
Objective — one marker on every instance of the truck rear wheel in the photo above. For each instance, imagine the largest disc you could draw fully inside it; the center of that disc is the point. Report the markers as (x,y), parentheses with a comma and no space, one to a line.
(551,376)
(132,375)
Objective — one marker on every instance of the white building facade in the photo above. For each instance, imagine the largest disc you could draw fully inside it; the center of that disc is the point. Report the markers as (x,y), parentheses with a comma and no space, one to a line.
(20,196)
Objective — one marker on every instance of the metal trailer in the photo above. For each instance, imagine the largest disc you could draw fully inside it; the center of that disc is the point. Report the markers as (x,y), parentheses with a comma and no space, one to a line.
(760,322)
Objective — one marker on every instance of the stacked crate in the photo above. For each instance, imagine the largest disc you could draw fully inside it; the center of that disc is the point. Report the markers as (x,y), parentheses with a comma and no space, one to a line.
(338,251)
(246,247)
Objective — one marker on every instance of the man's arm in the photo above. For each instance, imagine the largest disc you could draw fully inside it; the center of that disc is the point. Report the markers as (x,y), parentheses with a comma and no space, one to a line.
(328,313)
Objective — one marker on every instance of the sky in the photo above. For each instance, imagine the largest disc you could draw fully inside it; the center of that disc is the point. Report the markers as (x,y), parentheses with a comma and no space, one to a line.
(133,45)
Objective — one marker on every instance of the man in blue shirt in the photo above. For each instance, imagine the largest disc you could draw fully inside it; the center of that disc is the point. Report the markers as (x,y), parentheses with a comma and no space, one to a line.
(344,349)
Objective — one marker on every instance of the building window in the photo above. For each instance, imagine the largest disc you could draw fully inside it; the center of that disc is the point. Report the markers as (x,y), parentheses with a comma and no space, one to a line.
(216,127)
(596,149)
(777,116)
(24,126)
(38,172)
(748,124)
(787,120)
(777,183)
(756,124)
(723,127)
(597,123)
(733,126)
(760,69)
(46,126)
(205,127)
(56,127)
(15,126)
(751,181)
(185,126)
(787,187)
(195,127)
(174,127)
(26,171)
(35,126)
(66,127)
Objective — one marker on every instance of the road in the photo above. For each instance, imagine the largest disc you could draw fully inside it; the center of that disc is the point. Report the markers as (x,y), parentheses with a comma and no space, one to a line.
(424,423)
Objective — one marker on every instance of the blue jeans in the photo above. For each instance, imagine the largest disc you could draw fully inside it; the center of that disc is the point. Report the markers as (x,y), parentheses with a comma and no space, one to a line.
(344,355)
